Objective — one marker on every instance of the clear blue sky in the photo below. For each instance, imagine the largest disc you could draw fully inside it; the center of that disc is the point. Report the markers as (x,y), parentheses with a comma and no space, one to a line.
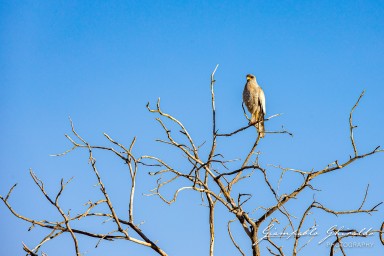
(100,62)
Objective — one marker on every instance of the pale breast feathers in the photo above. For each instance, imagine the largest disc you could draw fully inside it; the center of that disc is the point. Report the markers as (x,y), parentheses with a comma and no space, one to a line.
(249,99)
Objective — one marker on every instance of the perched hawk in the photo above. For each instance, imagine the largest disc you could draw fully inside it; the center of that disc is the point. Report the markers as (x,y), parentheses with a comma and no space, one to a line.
(254,99)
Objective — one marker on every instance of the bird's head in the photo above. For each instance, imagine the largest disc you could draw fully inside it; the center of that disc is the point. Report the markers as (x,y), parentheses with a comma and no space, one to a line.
(250,77)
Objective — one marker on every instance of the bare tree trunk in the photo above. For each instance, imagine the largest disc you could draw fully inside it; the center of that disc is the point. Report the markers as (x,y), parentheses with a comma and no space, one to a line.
(255,243)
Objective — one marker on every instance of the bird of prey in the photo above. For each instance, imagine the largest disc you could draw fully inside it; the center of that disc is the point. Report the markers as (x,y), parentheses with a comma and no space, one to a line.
(254,99)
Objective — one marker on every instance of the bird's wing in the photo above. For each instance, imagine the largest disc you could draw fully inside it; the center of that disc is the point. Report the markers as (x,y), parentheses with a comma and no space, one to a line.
(262,100)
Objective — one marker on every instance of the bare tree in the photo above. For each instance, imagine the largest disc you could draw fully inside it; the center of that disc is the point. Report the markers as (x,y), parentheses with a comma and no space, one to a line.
(210,175)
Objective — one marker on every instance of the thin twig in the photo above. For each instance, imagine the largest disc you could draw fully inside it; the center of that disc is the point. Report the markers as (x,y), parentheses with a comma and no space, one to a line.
(232,239)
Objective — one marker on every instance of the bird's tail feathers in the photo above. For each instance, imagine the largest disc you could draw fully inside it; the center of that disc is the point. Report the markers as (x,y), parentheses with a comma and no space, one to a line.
(260,128)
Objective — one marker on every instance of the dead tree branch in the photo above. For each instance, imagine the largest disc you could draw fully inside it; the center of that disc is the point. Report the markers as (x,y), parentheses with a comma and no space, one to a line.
(64,226)
(207,172)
